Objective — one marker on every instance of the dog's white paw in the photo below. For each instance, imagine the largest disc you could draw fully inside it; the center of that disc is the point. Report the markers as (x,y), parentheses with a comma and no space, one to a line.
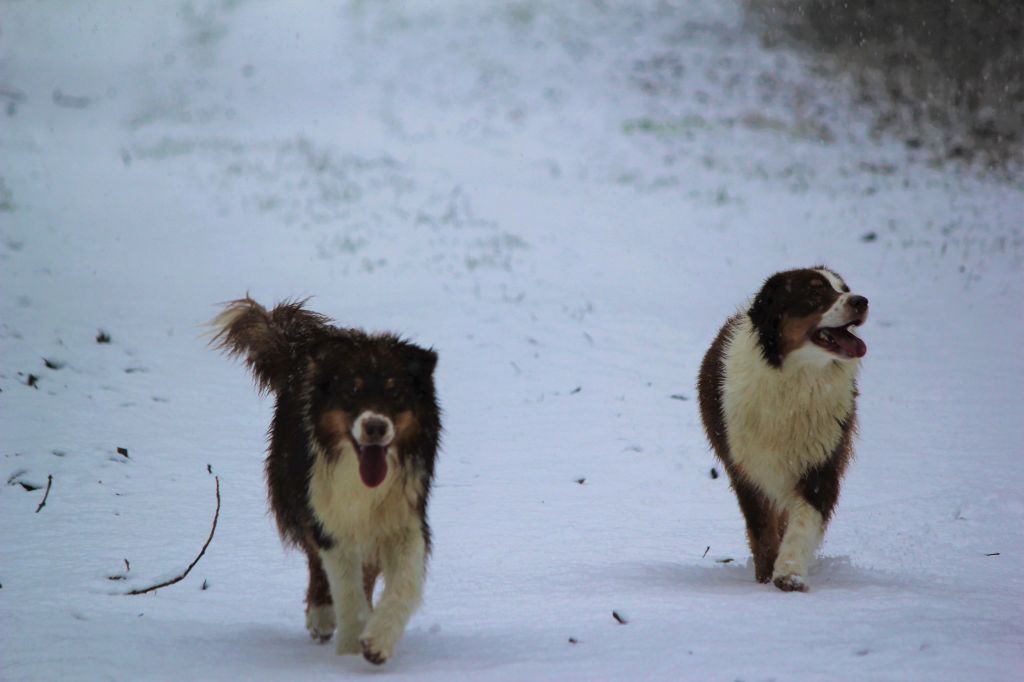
(791,582)
(320,622)
(377,649)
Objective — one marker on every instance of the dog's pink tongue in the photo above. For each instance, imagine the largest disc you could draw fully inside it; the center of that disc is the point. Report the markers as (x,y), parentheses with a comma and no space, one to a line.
(851,345)
(373,464)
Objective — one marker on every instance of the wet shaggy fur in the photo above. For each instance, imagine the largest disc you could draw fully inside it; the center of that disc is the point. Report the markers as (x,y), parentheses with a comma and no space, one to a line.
(353,443)
(778,394)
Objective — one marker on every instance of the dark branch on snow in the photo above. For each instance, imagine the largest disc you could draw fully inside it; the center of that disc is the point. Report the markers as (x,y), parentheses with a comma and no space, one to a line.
(49,482)
(178,579)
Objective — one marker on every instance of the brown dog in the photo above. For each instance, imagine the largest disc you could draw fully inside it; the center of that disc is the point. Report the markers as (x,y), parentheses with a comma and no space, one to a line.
(778,400)
(351,460)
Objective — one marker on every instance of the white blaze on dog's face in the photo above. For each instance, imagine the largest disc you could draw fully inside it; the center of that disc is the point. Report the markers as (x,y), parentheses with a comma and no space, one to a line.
(808,316)
(371,428)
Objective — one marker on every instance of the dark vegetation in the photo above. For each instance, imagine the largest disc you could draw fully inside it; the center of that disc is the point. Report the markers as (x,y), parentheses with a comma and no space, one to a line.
(946,76)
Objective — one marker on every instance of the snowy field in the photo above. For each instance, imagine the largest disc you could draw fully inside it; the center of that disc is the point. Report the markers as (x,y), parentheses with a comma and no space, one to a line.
(566,199)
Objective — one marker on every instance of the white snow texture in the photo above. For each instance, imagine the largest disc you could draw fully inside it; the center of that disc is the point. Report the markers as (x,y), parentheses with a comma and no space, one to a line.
(566,200)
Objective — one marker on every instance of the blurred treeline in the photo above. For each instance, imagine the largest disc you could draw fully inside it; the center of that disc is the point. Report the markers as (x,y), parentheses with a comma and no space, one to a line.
(945,75)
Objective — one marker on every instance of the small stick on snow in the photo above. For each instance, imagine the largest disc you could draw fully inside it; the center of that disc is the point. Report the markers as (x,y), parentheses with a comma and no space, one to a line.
(49,482)
(213,528)
(620,619)
(706,550)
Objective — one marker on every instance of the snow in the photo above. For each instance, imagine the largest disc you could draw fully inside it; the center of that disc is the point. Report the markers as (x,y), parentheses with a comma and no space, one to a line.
(566,200)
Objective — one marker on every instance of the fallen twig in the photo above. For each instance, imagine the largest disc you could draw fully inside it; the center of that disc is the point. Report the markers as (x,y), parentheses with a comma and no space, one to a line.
(49,482)
(619,618)
(178,579)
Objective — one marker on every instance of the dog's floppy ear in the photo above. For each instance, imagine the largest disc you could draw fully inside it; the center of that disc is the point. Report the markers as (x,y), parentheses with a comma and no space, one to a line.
(766,315)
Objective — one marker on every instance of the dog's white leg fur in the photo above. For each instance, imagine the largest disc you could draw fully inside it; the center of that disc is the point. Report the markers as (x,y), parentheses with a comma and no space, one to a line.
(344,570)
(320,622)
(804,532)
(403,564)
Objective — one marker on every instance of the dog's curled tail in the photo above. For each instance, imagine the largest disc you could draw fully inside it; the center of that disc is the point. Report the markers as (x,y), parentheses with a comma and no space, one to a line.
(269,340)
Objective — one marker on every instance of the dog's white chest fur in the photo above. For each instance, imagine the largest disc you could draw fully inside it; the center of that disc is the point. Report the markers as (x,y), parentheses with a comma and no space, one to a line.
(347,508)
(780,422)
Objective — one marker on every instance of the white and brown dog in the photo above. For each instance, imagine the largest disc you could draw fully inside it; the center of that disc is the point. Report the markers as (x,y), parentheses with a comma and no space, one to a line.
(778,398)
(350,464)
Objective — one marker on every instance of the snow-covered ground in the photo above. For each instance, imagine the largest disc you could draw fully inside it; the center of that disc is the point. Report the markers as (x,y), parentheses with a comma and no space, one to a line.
(566,200)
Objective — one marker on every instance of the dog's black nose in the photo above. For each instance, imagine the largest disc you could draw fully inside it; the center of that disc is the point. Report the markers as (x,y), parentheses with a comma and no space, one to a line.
(374,429)
(858,303)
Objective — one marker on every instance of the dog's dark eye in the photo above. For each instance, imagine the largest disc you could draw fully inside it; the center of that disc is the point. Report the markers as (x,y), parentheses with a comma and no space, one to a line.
(324,386)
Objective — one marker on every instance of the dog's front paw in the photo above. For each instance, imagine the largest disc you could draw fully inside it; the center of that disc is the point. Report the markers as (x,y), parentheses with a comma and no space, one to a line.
(375,651)
(792,582)
(320,622)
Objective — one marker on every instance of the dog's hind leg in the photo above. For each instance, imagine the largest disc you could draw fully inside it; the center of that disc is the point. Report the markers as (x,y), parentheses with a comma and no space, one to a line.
(763,532)
(403,560)
(344,570)
(319,609)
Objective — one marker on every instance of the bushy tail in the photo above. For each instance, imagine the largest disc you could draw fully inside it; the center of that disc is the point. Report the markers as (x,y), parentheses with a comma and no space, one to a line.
(270,341)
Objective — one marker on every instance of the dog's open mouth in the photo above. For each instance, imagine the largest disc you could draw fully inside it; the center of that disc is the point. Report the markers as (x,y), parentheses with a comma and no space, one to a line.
(840,340)
(373,463)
